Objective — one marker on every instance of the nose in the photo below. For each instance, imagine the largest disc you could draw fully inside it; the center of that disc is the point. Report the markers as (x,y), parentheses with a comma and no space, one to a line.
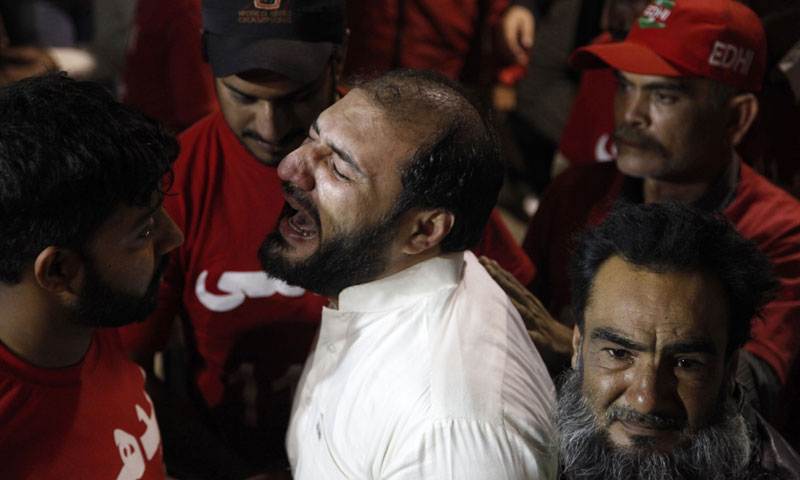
(271,121)
(294,168)
(169,235)
(652,389)
(631,107)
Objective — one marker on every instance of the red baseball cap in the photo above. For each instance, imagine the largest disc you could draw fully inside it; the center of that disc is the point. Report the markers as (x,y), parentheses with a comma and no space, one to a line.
(721,40)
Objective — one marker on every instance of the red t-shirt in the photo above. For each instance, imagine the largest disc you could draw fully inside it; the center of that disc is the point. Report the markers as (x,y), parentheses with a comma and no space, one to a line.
(91,420)
(250,333)
(588,133)
(165,75)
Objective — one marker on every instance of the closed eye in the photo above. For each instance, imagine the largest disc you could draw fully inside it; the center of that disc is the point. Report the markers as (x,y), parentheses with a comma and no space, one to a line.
(338,172)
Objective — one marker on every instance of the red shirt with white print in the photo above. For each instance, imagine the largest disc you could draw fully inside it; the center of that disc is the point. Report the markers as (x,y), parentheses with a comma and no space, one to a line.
(91,420)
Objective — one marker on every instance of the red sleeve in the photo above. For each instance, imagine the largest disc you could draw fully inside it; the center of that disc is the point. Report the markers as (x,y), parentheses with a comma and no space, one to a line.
(499,245)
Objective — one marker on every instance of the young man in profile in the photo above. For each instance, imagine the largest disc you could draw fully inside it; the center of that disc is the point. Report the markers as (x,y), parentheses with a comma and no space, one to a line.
(83,243)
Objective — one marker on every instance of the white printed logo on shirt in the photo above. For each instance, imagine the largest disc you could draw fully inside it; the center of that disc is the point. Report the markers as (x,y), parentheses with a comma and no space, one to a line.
(239,286)
(605,150)
(133,462)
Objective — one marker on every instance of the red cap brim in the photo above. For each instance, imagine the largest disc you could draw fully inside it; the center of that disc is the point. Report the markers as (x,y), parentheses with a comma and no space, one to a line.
(624,56)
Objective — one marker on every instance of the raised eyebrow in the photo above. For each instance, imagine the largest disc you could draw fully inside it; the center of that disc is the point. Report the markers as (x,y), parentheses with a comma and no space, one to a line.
(613,336)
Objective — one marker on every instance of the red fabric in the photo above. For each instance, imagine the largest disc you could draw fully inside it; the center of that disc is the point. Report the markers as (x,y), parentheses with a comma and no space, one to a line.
(717,39)
(434,35)
(250,333)
(165,75)
(499,245)
(78,422)
(582,196)
(588,133)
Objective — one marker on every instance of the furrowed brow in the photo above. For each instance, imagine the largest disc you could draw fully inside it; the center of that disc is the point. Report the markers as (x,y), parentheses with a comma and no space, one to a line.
(614,336)
(341,153)
(693,346)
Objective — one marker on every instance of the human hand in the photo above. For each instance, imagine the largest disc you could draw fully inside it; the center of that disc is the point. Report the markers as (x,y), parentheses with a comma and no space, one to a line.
(518,27)
(552,339)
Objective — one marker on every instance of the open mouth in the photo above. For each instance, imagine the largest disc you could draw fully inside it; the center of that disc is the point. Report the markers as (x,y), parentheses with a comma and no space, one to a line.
(301,222)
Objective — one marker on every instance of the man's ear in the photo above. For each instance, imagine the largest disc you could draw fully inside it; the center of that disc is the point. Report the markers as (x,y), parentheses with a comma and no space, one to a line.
(428,229)
(58,270)
(744,109)
(339,56)
(576,346)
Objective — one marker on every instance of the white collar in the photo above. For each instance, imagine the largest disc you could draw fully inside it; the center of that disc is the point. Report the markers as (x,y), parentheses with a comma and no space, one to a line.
(400,289)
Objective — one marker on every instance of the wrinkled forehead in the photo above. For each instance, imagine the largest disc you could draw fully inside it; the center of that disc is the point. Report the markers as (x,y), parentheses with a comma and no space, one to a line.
(657,308)
(357,126)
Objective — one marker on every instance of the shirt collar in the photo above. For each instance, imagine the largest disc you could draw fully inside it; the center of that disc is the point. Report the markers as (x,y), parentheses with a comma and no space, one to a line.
(424,278)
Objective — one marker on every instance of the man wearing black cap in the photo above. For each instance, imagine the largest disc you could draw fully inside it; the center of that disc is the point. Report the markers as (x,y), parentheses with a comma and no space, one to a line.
(686,76)
(276,65)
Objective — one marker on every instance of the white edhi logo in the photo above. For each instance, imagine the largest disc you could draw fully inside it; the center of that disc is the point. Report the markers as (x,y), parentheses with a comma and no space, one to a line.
(133,465)
(731,57)
(241,285)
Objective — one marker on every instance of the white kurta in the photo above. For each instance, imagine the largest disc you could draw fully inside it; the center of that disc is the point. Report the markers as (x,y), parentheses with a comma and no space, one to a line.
(426,374)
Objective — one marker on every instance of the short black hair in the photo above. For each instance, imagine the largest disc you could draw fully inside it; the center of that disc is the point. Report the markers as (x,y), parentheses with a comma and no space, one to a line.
(70,155)
(458,166)
(667,238)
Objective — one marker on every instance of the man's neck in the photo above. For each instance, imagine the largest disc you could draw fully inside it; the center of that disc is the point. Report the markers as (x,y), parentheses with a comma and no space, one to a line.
(400,264)
(40,333)
(693,192)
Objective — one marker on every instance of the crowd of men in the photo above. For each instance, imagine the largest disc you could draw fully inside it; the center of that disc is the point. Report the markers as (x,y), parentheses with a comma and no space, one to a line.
(339,298)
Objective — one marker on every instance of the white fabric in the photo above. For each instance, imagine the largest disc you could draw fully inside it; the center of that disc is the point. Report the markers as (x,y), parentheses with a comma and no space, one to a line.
(426,374)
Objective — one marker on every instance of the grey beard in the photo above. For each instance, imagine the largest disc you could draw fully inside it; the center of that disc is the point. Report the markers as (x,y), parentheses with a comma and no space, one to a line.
(719,451)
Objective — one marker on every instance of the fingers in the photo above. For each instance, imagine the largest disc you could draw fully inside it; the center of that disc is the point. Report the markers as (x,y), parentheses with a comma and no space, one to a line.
(518,32)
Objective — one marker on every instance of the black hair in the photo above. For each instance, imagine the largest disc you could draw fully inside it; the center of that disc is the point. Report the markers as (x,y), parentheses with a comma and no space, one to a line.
(458,166)
(668,238)
(70,155)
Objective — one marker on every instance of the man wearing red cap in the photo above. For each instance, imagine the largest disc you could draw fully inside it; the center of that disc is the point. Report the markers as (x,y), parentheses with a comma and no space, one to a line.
(247,333)
(686,74)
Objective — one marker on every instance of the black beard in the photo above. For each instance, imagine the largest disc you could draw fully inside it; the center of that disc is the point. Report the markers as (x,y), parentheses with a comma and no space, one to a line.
(343,261)
(101,305)
(721,450)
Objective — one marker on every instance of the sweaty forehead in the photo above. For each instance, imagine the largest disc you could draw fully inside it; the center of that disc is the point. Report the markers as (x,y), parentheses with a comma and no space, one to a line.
(657,308)
(356,126)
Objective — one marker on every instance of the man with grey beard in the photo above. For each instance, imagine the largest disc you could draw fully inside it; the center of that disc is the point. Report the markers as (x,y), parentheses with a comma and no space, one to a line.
(663,297)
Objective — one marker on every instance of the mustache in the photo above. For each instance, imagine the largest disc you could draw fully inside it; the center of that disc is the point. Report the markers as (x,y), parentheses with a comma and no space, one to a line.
(616,413)
(302,199)
(642,140)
